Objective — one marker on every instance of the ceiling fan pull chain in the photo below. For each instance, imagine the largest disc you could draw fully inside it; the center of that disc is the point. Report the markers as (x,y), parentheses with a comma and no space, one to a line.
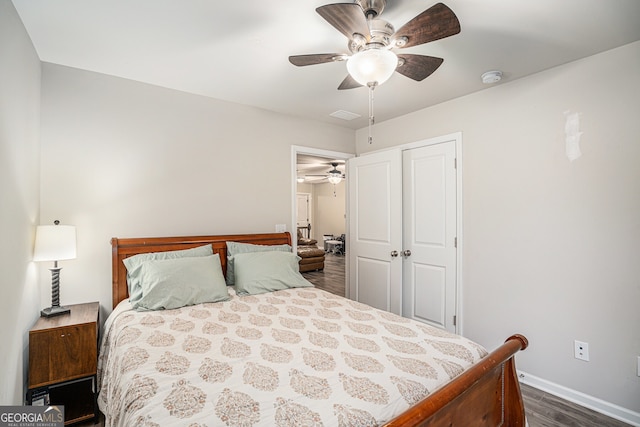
(372,118)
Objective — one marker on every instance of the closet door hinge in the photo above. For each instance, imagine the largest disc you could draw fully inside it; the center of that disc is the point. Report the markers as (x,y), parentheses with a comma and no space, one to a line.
(455,163)
(455,320)
(455,242)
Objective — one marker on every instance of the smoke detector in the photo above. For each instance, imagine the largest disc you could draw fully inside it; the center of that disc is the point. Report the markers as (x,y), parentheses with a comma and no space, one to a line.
(491,77)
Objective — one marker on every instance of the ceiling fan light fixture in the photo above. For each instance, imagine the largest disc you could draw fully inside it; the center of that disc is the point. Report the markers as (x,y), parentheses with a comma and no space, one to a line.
(334,178)
(372,66)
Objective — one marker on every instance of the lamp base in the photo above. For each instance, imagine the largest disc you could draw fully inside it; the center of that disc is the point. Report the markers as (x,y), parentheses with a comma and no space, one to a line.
(54,311)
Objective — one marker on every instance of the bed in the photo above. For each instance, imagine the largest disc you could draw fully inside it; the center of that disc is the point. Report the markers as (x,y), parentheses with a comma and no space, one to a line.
(290,357)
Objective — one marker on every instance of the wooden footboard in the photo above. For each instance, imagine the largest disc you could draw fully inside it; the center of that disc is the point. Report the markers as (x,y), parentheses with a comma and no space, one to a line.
(487,394)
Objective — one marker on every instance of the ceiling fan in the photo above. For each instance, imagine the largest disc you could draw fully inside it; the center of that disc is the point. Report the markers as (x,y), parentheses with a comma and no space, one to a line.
(372,39)
(334,176)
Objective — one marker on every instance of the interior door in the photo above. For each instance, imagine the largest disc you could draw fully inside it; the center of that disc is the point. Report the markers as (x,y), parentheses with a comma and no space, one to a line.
(430,227)
(303,209)
(375,230)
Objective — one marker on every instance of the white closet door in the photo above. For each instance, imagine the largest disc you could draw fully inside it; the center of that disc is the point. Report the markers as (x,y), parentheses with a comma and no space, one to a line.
(429,221)
(375,224)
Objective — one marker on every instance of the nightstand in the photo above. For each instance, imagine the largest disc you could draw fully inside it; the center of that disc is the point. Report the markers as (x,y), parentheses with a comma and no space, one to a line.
(63,360)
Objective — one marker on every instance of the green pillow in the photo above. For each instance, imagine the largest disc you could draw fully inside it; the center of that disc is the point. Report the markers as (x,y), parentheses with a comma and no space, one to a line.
(134,265)
(235,248)
(175,283)
(260,272)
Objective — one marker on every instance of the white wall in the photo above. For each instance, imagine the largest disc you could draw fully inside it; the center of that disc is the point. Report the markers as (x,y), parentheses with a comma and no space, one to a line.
(304,187)
(19,197)
(550,246)
(126,159)
(330,209)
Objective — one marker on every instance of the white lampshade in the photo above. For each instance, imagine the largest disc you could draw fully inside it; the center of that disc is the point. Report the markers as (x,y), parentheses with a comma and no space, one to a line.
(55,243)
(372,66)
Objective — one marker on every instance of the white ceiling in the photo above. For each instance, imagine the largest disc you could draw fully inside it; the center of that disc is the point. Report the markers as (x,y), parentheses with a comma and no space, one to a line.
(238,50)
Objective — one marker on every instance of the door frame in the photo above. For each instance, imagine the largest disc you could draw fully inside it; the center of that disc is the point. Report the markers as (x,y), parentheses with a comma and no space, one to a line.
(457,137)
(338,155)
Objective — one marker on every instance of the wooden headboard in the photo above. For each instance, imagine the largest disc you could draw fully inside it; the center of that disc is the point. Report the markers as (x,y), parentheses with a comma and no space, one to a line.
(124,248)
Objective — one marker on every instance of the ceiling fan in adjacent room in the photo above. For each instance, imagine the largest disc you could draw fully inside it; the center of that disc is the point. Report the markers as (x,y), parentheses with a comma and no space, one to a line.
(333,176)
(372,41)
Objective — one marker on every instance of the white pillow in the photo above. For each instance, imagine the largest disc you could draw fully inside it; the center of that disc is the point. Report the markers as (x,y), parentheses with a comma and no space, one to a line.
(174,283)
(134,264)
(235,248)
(260,272)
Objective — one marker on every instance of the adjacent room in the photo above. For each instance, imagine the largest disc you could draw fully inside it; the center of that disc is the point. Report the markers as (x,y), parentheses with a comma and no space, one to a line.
(214,122)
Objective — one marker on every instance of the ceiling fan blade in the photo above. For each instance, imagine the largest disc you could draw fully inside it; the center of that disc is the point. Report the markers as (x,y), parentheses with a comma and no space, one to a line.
(435,23)
(313,59)
(348,18)
(418,67)
(349,83)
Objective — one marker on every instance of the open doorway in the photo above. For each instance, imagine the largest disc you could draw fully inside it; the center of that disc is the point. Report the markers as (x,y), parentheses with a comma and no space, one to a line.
(323,219)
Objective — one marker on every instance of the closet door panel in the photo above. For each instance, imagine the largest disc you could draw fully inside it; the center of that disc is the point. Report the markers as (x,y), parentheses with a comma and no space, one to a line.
(429,294)
(429,222)
(375,228)
(374,282)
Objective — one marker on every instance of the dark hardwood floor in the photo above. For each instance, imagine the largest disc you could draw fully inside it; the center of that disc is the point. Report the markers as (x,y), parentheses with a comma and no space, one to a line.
(542,409)
(546,410)
(332,278)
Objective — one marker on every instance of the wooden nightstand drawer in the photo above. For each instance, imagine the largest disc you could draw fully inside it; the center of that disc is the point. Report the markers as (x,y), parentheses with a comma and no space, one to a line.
(64,348)
(62,354)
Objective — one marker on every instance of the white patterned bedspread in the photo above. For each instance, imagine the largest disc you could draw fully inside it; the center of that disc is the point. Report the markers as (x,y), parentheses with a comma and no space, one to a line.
(289,358)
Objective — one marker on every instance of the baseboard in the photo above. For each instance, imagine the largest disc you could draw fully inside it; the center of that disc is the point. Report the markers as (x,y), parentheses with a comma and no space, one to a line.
(582,399)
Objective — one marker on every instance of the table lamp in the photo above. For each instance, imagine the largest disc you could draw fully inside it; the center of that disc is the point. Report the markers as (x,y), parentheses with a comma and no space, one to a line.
(55,243)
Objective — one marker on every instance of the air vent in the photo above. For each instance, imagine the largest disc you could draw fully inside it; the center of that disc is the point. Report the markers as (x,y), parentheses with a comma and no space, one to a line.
(344,115)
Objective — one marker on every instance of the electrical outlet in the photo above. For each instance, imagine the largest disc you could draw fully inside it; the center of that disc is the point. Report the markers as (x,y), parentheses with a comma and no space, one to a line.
(281,228)
(581,350)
